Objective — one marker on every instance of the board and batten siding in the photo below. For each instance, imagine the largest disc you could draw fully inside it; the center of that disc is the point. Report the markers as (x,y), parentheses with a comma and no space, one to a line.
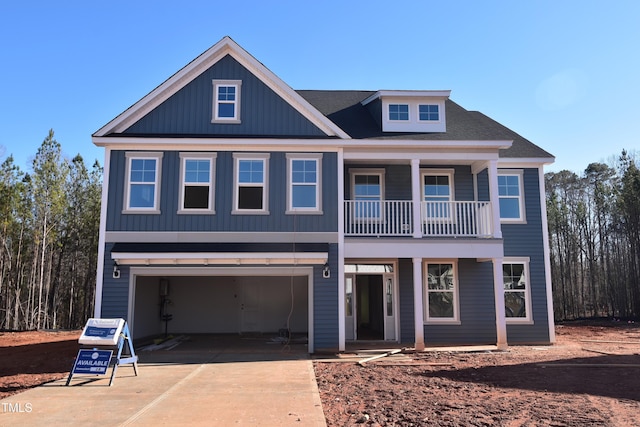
(189,111)
(222,220)
(115,292)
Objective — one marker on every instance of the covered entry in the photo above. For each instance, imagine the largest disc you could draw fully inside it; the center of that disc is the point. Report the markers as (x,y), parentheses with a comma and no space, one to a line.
(370,302)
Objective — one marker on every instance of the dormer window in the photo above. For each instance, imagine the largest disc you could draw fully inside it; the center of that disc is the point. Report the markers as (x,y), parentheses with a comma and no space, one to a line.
(428,112)
(398,111)
(226,101)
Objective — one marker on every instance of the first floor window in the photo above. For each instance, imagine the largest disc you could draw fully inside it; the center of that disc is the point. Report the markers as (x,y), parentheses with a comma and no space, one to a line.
(516,291)
(197,182)
(143,181)
(441,293)
(304,173)
(251,172)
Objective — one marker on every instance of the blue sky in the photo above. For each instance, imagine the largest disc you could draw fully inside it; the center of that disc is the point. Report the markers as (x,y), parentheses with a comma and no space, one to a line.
(563,74)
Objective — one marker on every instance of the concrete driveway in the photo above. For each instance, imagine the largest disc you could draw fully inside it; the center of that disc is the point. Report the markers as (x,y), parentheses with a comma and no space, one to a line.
(189,385)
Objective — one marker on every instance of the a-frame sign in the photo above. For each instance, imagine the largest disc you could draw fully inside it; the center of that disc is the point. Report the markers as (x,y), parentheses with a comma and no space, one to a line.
(99,339)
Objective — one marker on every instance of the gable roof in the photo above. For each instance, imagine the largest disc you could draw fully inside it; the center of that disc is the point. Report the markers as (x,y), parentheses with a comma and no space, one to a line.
(224,47)
(345,108)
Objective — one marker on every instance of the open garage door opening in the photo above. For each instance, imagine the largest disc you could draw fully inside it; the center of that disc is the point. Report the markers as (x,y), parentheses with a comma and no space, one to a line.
(269,306)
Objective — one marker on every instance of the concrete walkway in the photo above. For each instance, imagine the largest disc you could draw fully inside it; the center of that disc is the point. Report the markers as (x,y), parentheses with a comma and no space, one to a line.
(243,390)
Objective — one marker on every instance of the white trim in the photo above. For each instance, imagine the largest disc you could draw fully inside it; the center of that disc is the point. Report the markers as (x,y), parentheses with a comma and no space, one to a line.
(341,285)
(237,158)
(317,209)
(450,174)
(418,303)
(216,258)
(528,319)
(524,162)
(498,298)
(547,256)
(97,308)
(215,117)
(226,46)
(220,237)
(184,156)
(142,155)
(407,94)
(224,271)
(522,219)
(413,122)
(428,320)
(426,248)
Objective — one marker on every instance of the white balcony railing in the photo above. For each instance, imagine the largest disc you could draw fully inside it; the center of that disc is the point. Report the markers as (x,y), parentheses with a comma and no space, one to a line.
(438,219)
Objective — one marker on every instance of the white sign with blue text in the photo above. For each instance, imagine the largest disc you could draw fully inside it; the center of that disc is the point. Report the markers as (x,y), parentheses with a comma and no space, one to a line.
(101,332)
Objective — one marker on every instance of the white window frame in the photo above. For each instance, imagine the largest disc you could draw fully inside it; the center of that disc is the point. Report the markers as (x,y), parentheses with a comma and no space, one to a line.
(264,157)
(407,120)
(237,84)
(528,319)
(141,155)
(317,209)
(427,105)
(352,176)
(184,157)
(450,173)
(521,205)
(455,320)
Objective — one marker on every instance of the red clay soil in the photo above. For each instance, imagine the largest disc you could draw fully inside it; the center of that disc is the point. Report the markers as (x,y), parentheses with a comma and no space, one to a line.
(580,381)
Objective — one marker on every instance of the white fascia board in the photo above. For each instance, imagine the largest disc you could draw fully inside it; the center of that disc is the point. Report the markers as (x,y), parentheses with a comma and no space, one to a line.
(201,64)
(407,94)
(206,258)
(431,156)
(524,162)
(424,248)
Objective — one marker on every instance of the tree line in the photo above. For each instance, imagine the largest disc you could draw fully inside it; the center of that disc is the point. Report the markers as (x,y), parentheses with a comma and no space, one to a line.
(594,234)
(49,227)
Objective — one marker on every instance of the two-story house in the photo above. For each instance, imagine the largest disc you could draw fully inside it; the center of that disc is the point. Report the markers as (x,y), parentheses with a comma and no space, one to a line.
(236,204)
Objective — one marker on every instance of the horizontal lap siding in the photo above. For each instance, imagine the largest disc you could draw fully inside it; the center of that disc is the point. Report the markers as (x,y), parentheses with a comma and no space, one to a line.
(115,292)
(525,240)
(222,220)
(477,309)
(325,305)
(405,285)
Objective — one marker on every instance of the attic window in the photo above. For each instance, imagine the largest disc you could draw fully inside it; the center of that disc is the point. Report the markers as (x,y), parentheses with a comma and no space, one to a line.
(428,112)
(399,112)
(226,101)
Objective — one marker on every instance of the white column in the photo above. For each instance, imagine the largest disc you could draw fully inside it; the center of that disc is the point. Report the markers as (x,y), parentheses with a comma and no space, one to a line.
(97,309)
(494,197)
(416,197)
(417,304)
(341,296)
(547,256)
(498,291)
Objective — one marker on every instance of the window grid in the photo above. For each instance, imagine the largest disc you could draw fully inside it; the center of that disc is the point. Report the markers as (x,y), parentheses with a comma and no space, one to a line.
(142,183)
(441,299)
(517,299)
(399,112)
(510,197)
(197,183)
(429,112)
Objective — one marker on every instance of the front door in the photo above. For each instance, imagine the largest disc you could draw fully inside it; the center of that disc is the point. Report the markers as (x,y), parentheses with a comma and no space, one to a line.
(370,307)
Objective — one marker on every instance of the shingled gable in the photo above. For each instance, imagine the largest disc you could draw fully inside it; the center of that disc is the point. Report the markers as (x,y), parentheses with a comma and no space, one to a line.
(224,47)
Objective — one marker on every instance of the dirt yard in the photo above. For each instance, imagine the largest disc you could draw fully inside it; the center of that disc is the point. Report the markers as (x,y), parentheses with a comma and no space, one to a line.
(590,377)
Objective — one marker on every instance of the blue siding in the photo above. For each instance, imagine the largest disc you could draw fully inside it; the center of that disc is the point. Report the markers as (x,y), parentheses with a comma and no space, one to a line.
(525,240)
(477,308)
(169,220)
(115,292)
(325,305)
(405,286)
(189,112)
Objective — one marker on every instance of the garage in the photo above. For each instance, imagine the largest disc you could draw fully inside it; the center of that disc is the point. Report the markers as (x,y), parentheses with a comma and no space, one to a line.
(262,303)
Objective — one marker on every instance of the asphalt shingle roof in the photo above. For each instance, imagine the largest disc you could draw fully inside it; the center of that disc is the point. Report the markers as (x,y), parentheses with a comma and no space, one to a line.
(344,108)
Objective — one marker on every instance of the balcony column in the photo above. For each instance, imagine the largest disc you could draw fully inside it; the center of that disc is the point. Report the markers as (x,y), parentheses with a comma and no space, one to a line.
(416,189)
(498,291)
(417,304)
(494,197)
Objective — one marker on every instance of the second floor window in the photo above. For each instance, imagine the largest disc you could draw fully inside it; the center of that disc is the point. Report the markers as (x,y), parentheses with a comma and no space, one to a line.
(197,182)
(367,193)
(143,182)
(399,112)
(510,195)
(251,186)
(429,112)
(304,190)
(437,192)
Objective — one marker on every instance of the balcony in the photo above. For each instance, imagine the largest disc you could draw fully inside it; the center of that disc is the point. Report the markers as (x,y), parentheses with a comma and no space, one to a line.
(437,219)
